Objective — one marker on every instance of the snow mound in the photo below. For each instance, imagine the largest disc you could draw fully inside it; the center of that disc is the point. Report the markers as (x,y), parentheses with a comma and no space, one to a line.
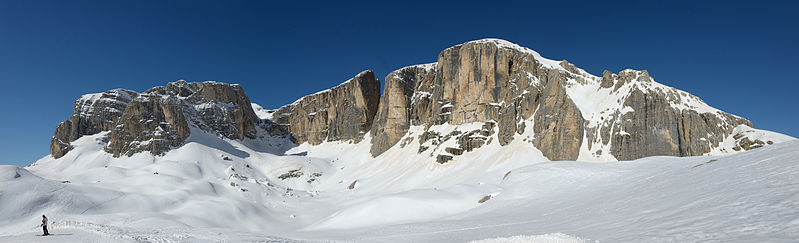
(546,238)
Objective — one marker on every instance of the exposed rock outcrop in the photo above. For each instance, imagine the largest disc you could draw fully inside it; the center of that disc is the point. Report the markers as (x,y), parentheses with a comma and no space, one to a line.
(152,122)
(475,93)
(558,122)
(344,112)
(655,128)
(404,101)
(625,115)
(160,118)
(91,114)
(479,81)
(742,142)
(654,119)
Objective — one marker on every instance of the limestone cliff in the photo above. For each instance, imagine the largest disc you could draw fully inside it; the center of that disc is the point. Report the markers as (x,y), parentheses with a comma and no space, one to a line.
(92,113)
(570,113)
(399,107)
(481,81)
(344,112)
(158,119)
(476,93)
(652,119)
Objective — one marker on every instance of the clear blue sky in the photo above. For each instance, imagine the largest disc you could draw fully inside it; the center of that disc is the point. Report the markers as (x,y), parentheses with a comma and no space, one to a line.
(738,57)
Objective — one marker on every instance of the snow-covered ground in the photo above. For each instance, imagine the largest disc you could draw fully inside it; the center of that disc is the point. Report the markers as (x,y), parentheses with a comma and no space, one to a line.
(213,189)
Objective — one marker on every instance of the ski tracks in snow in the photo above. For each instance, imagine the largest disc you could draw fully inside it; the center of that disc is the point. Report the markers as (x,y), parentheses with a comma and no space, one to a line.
(118,233)
(405,235)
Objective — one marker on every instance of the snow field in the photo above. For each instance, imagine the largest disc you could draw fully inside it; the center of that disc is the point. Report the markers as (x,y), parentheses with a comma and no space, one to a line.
(213,189)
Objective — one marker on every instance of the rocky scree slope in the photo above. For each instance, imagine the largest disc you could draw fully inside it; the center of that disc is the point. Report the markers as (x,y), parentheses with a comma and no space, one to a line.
(510,92)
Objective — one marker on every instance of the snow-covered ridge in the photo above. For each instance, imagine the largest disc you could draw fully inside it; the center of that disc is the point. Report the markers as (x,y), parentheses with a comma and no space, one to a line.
(510,45)
(85,104)
(118,92)
(427,67)
(330,89)
(262,113)
(684,99)
(602,107)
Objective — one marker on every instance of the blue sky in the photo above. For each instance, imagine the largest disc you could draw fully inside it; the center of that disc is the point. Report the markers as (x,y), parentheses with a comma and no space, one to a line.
(738,57)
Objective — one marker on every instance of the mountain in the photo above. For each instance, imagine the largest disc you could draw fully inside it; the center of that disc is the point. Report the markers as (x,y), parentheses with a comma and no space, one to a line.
(553,106)
(161,118)
(563,111)
(451,151)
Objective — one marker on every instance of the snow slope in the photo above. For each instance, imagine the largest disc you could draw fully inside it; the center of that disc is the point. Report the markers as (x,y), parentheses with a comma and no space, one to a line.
(213,189)
(749,197)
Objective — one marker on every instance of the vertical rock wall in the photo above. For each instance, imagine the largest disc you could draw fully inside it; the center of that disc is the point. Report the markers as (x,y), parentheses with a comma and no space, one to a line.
(158,119)
(494,82)
(478,82)
(396,110)
(344,112)
(91,114)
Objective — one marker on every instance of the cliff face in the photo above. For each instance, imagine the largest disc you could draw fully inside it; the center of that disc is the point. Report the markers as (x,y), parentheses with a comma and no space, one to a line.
(344,112)
(490,91)
(659,120)
(159,118)
(625,115)
(163,117)
(399,107)
(92,113)
(483,81)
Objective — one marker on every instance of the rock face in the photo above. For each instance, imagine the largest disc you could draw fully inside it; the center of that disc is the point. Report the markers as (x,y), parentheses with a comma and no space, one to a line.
(476,93)
(658,129)
(160,118)
(150,123)
(654,119)
(396,110)
(625,115)
(480,81)
(344,112)
(92,113)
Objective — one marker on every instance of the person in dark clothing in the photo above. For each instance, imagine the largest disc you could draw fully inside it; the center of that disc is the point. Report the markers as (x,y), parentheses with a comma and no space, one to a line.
(44,225)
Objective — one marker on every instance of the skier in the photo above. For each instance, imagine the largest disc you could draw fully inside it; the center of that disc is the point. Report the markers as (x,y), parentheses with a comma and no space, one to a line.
(44,225)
